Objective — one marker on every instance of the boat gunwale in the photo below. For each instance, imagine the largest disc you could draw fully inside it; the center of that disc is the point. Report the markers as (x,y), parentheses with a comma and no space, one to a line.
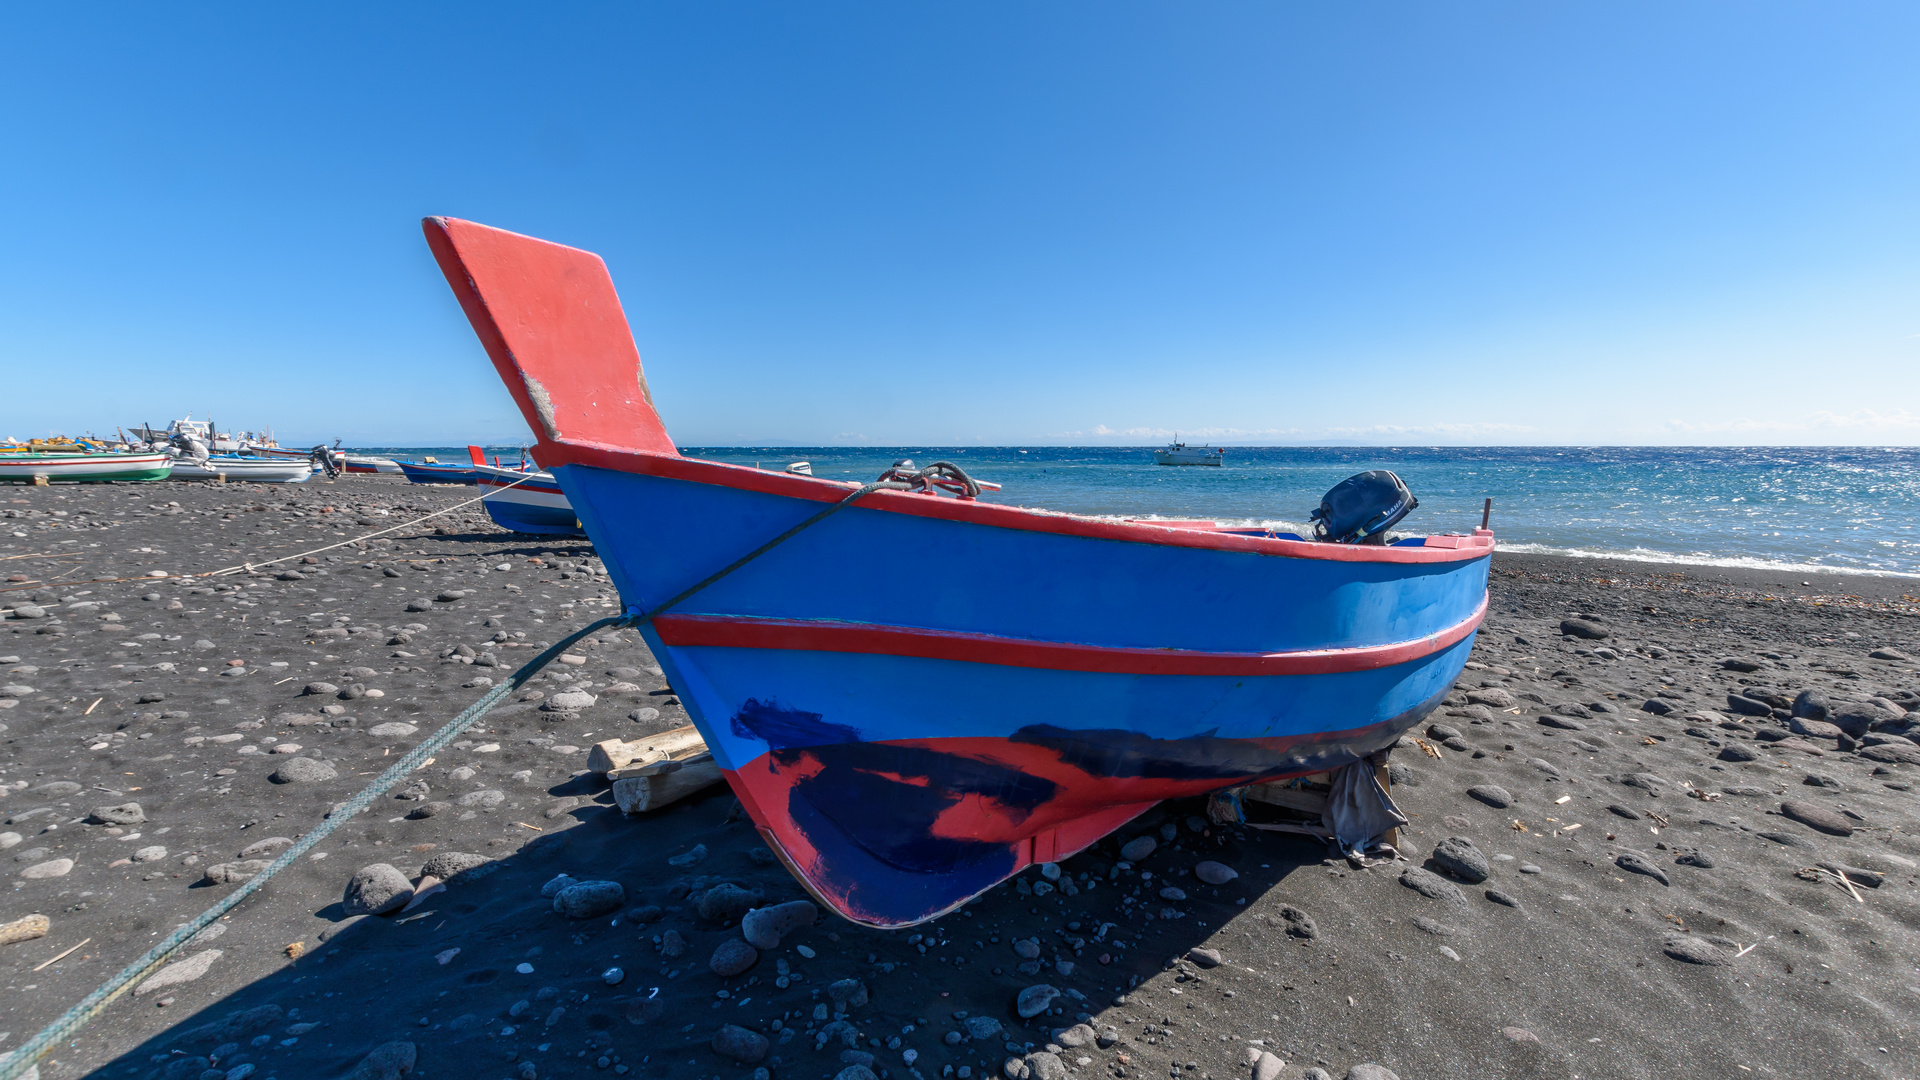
(554,454)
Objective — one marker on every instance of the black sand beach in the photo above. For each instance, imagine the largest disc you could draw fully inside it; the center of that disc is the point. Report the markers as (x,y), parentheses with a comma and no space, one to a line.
(1662,893)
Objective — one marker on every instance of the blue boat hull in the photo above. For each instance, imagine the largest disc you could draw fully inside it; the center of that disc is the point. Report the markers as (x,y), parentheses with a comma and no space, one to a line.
(914,696)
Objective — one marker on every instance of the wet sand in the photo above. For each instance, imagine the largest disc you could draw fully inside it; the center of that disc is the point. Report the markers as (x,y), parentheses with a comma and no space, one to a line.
(1658,914)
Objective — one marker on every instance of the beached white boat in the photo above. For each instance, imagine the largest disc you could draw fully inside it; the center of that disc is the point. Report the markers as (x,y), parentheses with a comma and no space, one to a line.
(361,463)
(18,468)
(251,470)
(1179,453)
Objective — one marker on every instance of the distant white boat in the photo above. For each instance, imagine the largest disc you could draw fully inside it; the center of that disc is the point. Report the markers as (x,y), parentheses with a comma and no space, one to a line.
(1179,453)
(254,470)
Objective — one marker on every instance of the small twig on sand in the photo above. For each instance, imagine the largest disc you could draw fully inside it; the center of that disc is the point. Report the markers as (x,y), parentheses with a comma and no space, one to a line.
(90,708)
(62,956)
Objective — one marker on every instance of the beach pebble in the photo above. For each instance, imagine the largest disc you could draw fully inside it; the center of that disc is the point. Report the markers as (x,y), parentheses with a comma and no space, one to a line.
(8,839)
(389,1061)
(1035,1000)
(1496,797)
(1372,1072)
(1562,723)
(856,1072)
(124,814)
(1699,859)
(741,1044)
(1817,817)
(392,730)
(1583,628)
(1442,732)
(52,868)
(1429,884)
(178,973)
(320,689)
(1458,856)
(149,853)
(733,957)
(1296,923)
(568,701)
(589,899)
(427,810)
(1138,848)
(1693,950)
(847,994)
(1658,706)
(1206,958)
(303,770)
(726,903)
(1027,949)
(1074,1037)
(486,799)
(1787,839)
(376,889)
(1044,1065)
(689,858)
(764,927)
(982,1027)
(1739,751)
(233,873)
(1501,898)
(672,945)
(1214,873)
(449,865)
(1493,697)
(1888,654)
(1635,863)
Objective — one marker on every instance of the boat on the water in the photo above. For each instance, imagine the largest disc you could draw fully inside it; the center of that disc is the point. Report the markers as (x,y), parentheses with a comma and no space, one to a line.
(526,502)
(30,468)
(233,468)
(817,629)
(1179,453)
(435,472)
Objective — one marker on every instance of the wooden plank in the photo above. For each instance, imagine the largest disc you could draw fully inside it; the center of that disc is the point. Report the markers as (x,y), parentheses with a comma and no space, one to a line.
(617,753)
(639,794)
(1306,800)
(660,767)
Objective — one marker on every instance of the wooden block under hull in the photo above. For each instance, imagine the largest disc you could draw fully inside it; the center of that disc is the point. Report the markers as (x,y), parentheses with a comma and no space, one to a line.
(680,742)
(639,794)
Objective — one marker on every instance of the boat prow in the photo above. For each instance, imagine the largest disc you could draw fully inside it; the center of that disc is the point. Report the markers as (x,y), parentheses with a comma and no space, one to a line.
(915,695)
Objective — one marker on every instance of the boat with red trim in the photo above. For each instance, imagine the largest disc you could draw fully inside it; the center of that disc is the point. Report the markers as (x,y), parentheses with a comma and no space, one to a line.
(916,694)
(526,502)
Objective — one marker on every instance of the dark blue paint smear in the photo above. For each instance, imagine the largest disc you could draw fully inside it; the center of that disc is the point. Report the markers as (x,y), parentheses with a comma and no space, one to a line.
(788,729)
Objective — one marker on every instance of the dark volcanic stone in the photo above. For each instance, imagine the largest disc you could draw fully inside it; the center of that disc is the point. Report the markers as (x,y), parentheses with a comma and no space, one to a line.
(1582,628)
(1429,884)
(1297,923)
(1739,752)
(1696,858)
(741,1044)
(1496,797)
(1893,753)
(1658,706)
(1692,950)
(1811,705)
(1787,839)
(1458,856)
(733,957)
(1747,706)
(1815,816)
(1636,863)
(1563,723)
(1740,663)
(303,770)
(1626,812)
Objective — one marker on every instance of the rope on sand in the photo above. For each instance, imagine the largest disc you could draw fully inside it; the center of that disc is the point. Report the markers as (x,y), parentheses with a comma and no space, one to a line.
(17,1064)
(247,568)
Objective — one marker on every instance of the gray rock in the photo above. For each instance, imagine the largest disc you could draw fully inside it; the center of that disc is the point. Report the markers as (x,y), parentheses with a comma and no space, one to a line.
(1746,706)
(568,701)
(1297,924)
(124,814)
(1739,751)
(1562,723)
(1267,1067)
(1787,839)
(1658,706)
(1888,654)
(1699,859)
(744,1045)
(1075,1037)
(1811,705)
(151,853)
(449,865)
(1371,1072)
(1502,898)
(982,1027)
(590,899)
(1042,1065)
(1817,817)
(856,1072)
(1206,958)
(1692,950)
(320,689)
(303,770)
(179,972)
(1035,1000)
(1429,884)
(56,789)
(726,903)
(764,927)
(262,848)
(1496,797)
(52,868)
(733,957)
(1459,857)
(389,1061)
(1584,628)
(427,810)
(487,799)
(1635,863)
(1214,873)
(375,890)
(392,730)
(1138,848)
(233,873)
(1892,753)
(1627,812)
(1442,732)
(1493,697)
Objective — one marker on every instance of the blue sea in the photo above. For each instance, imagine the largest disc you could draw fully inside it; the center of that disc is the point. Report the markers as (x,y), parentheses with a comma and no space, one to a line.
(1854,510)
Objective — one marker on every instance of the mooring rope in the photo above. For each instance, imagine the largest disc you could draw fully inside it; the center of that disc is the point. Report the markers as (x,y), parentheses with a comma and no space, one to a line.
(16,1065)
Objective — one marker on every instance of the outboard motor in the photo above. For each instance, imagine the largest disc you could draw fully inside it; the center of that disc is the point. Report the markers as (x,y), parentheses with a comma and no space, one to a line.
(323,457)
(1361,508)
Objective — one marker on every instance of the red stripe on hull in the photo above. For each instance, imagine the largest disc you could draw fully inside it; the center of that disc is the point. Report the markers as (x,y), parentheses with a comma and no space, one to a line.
(741,632)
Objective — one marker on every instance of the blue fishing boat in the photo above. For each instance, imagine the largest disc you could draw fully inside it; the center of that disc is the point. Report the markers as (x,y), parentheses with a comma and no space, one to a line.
(526,502)
(916,694)
(424,473)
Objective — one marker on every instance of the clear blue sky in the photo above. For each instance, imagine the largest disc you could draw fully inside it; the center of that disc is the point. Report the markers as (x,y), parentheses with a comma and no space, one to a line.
(984,223)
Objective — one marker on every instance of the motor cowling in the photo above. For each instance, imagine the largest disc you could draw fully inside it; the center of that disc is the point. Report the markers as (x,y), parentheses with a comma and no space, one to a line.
(1361,508)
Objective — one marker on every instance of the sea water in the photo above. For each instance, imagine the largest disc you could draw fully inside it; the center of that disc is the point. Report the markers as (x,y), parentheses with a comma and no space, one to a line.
(1837,509)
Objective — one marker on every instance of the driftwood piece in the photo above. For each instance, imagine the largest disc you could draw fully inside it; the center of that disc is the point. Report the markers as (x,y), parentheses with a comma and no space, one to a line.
(654,789)
(1307,800)
(613,754)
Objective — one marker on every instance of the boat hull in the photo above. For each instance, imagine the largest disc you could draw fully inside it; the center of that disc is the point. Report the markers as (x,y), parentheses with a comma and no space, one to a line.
(83,468)
(244,470)
(532,504)
(914,697)
(818,699)
(437,474)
